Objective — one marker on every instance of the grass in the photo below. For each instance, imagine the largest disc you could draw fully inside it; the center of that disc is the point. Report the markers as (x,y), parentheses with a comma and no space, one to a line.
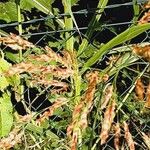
(91,108)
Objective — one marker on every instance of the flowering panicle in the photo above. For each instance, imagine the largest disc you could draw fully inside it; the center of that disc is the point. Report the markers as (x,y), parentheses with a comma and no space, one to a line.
(147,104)
(13,138)
(143,51)
(44,72)
(107,121)
(107,96)
(139,90)
(50,111)
(81,110)
(128,136)
(16,42)
(145,18)
(117,136)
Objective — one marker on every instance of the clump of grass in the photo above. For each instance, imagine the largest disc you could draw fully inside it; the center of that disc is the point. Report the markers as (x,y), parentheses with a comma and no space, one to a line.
(88,109)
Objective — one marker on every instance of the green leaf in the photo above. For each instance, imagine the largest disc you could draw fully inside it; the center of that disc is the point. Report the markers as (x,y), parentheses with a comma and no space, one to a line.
(45,7)
(14,80)
(6,117)
(8,11)
(40,130)
(127,35)
(25,5)
(74,2)
(42,5)
(4,65)
(13,57)
(3,83)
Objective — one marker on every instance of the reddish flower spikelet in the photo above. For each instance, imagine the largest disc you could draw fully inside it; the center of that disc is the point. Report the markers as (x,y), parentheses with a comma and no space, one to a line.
(147,104)
(65,61)
(105,78)
(107,122)
(139,90)
(88,98)
(147,5)
(58,103)
(117,136)
(69,130)
(74,141)
(81,110)
(143,51)
(107,96)
(128,136)
(93,79)
(145,18)
(13,139)
(16,42)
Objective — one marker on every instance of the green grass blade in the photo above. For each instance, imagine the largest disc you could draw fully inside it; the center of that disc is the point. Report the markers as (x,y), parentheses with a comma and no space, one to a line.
(101,6)
(68,25)
(136,9)
(3,33)
(128,34)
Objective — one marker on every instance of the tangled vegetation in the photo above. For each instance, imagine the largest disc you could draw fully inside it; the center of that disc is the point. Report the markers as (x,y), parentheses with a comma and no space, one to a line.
(98,97)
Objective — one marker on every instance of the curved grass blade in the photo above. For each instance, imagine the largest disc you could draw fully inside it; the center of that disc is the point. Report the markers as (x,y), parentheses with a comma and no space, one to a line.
(127,35)
(3,33)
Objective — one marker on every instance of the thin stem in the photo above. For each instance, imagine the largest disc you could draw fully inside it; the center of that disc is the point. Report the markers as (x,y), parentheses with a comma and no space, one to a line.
(68,26)
(70,48)
(19,25)
(96,116)
(136,9)
(132,88)
(94,146)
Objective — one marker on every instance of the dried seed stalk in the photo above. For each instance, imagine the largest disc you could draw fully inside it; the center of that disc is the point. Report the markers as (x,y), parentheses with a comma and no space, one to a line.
(143,51)
(16,42)
(13,138)
(107,121)
(58,103)
(128,136)
(146,139)
(80,112)
(139,90)
(65,60)
(145,18)
(107,96)
(117,136)
(147,104)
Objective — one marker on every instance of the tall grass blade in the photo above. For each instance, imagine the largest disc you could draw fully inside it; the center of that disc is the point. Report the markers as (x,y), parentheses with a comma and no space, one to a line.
(94,21)
(127,35)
